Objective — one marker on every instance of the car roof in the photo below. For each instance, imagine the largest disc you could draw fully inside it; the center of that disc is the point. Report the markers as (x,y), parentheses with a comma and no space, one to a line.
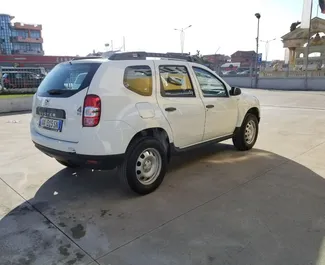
(136,56)
(131,62)
(129,58)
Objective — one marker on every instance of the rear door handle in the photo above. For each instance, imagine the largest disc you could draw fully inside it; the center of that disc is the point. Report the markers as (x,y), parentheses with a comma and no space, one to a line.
(170,109)
(209,106)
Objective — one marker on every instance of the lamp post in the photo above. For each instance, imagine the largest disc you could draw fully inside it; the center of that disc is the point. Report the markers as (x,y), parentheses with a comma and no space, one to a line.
(182,36)
(258,16)
(267,46)
(106,46)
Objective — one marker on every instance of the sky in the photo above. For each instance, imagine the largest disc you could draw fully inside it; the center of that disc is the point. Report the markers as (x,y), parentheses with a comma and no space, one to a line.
(72,27)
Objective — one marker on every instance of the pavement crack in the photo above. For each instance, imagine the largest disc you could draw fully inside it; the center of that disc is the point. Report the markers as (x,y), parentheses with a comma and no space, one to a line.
(48,220)
(19,159)
(310,149)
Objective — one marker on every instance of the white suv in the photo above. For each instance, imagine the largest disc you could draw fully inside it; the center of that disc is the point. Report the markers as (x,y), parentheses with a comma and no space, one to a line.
(134,112)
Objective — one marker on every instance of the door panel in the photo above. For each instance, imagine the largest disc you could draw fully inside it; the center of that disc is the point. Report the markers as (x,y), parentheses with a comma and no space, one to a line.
(179,101)
(221,118)
(221,109)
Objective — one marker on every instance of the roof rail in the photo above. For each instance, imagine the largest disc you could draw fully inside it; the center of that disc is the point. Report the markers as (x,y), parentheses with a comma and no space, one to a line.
(86,57)
(145,55)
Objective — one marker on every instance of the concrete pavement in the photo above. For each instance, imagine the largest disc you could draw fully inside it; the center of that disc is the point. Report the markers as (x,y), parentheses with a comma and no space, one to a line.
(215,206)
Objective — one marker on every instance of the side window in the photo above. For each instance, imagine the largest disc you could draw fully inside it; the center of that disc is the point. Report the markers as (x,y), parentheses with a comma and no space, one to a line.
(138,79)
(175,81)
(210,85)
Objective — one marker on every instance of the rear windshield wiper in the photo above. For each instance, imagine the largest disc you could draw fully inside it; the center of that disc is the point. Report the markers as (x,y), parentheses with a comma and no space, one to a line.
(56,91)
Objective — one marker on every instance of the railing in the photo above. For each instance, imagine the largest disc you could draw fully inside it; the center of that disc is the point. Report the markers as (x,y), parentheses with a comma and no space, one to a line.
(21,78)
(290,73)
(27,39)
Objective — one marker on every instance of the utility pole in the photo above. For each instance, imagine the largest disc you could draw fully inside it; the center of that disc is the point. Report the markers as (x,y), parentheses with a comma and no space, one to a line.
(258,16)
(123,43)
(215,60)
(308,44)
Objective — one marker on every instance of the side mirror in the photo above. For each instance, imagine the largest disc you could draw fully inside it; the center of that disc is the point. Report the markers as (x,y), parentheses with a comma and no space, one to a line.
(235,91)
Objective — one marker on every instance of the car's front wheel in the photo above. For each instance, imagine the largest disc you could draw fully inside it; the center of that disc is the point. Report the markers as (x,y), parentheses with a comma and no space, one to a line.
(245,136)
(145,165)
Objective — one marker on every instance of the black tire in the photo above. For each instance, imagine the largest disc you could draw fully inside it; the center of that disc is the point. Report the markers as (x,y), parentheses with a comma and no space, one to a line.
(239,139)
(128,173)
(67,164)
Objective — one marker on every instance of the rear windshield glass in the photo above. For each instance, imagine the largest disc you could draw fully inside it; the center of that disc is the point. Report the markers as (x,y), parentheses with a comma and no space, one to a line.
(67,79)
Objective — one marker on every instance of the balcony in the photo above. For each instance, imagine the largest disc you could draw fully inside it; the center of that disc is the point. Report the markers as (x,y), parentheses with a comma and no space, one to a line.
(19,25)
(28,52)
(28,40)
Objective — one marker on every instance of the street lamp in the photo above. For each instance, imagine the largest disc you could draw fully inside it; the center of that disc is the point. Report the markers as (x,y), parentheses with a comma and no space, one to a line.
(267,46)
(258,16)
(106,46)
(182,36)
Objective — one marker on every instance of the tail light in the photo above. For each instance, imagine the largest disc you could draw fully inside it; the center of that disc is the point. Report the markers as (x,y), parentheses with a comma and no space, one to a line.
(92,111)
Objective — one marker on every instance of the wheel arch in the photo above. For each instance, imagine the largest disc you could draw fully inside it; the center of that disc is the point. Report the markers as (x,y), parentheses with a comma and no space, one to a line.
(155,132)
(243,113)
(255,111)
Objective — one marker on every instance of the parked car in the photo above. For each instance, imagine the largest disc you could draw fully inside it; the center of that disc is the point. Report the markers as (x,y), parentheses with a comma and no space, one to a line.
(230,72)
(21,79)
(134,114)
(245,72)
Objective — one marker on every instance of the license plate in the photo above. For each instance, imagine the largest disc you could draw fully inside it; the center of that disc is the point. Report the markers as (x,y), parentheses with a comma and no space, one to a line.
(51,124)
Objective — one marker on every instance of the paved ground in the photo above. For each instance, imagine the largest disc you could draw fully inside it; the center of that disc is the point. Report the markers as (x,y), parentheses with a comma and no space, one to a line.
(216,205)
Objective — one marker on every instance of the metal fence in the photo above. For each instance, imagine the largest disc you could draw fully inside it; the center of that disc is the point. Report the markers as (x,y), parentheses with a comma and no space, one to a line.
(279,77)
(16,78)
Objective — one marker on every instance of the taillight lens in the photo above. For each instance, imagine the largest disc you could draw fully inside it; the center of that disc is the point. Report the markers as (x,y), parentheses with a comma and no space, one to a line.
(92,111)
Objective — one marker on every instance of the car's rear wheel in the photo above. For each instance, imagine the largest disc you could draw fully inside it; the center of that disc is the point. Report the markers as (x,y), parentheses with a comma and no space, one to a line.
(145,165)
(245,137)
(67,163)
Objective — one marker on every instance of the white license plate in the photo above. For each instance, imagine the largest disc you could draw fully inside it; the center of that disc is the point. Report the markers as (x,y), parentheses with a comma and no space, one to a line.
(51,124)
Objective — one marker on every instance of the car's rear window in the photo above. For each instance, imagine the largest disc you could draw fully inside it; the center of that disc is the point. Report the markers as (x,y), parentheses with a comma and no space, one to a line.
(66,79)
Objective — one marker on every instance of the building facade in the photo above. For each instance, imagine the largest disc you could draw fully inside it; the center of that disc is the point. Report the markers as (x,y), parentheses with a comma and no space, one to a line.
(19,38)
(216,59)
(48,62)
(245,58)
(297,43)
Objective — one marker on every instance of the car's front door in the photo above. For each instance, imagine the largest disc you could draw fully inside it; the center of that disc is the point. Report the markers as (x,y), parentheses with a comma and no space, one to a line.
(221,109)
(179,101)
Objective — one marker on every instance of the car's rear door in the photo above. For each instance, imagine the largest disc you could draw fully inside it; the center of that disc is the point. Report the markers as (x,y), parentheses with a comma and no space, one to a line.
(58,103)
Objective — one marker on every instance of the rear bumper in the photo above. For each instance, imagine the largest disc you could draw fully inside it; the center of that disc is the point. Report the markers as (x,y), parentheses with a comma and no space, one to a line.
(84,161)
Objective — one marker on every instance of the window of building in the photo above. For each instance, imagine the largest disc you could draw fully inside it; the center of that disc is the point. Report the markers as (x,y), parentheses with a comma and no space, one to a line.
(210,85)
(35,46)
(35,34)
(20,33)
(138,79)
(175,81)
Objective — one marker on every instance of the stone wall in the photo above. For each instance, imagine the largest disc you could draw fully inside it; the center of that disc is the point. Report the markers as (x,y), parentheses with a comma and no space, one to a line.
(16,104)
